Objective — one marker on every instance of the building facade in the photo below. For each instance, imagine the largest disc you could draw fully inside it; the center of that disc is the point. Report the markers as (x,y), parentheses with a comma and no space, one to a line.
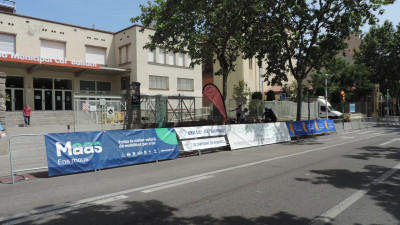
(248,71)
(47,63)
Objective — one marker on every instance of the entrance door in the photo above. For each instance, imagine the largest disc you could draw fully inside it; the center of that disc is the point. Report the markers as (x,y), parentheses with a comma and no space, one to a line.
(59,100)
(63,100)
(68,100)
(38,99)
(43,99)
(14,99)
(18,99)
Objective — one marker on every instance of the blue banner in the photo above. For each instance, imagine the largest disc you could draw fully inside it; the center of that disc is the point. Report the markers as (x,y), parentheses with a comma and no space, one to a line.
(310,127)
(85,151)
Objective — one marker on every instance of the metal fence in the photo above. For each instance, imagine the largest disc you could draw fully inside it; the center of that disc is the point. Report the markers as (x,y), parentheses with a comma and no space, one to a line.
(27,153)
(92,114)
(364,123)
(365,108)
(282,109)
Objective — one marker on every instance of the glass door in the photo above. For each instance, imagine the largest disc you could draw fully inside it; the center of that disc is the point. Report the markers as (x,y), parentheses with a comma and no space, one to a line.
(68,100)
(18,99)
(38,95)
(63,100)
(14,99)
(43,99)
(48,99)
(59,100)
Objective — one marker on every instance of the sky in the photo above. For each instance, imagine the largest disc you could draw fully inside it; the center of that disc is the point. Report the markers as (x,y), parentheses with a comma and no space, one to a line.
(114,15)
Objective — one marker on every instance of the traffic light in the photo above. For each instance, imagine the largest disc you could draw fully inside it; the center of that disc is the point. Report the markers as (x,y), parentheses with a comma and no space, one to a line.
(343,95)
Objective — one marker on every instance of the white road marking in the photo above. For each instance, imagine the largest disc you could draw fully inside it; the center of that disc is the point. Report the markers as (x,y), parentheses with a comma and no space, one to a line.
(111,199)
(36,214)
(366,132)
(388,142)
(329,215)
(347,137)
(176,184)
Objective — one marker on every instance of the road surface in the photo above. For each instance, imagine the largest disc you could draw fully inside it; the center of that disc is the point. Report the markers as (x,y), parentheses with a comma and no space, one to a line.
(350,178)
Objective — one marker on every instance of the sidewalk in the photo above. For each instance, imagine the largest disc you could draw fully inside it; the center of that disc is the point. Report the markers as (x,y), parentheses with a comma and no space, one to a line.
(5,169)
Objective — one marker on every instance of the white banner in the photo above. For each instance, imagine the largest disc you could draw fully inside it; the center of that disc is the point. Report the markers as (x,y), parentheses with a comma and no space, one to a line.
(249,135)
(204,143)
(198,132)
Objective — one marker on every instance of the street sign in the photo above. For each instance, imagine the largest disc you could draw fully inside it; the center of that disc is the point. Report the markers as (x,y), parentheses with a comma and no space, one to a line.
(282,96)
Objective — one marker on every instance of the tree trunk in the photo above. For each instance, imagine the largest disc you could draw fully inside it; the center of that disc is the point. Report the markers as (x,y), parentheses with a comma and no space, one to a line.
(224,87)
(299,98)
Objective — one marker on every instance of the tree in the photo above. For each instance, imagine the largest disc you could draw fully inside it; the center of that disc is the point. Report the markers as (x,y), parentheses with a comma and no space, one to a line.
(380,52)
(209,31)
(270,95)
(241,92)
(300,36)
(354,79)
(257,95)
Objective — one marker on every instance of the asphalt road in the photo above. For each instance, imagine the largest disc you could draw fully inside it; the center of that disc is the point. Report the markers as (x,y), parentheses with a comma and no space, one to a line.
(350,178)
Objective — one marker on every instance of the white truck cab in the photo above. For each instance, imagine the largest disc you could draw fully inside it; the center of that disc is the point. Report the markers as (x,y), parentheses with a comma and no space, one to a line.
(323,105)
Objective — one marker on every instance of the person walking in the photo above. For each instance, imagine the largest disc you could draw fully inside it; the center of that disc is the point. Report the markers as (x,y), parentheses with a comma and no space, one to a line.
(27,115)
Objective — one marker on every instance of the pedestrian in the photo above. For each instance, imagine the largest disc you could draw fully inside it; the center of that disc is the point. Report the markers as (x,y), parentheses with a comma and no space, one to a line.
(269,116)
(239,112)
(245,116)
(8,102)
(27,115)
(1,131)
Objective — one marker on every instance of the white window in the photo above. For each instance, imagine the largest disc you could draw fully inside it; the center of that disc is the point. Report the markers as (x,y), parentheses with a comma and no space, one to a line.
(161,56)
(189,60)
(124,54)
(171,58)
(96,55)
(151,56)
(159,82)
(180,60)
(52,49)
(185,84)
(7,43)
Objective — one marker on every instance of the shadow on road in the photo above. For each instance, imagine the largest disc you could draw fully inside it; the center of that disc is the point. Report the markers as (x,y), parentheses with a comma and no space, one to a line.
(385,194)
(155,212)
(377,152)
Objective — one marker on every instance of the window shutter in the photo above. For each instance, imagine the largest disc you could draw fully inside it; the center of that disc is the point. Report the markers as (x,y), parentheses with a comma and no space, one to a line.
(52,49)
(7,43)
(96,55)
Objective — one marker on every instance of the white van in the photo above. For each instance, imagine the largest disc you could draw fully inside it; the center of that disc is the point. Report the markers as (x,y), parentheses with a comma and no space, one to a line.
(332,113)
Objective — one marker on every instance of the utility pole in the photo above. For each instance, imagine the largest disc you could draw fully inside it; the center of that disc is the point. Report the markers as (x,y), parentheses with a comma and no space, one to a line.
(326,95)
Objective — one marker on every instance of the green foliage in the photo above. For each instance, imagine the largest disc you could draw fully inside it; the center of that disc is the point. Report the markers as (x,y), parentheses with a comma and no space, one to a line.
(379,52)
(302,35)
(335,96)
(257,95)
(240,92)
(343,76)
(209,31)
(256,108)
(270,95)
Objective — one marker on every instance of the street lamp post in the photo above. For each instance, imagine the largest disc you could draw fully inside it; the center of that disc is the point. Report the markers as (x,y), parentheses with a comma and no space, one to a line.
(326,95)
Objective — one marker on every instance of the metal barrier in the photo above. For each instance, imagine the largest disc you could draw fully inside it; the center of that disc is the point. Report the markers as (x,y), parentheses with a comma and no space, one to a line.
(27,153)
(364,123)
